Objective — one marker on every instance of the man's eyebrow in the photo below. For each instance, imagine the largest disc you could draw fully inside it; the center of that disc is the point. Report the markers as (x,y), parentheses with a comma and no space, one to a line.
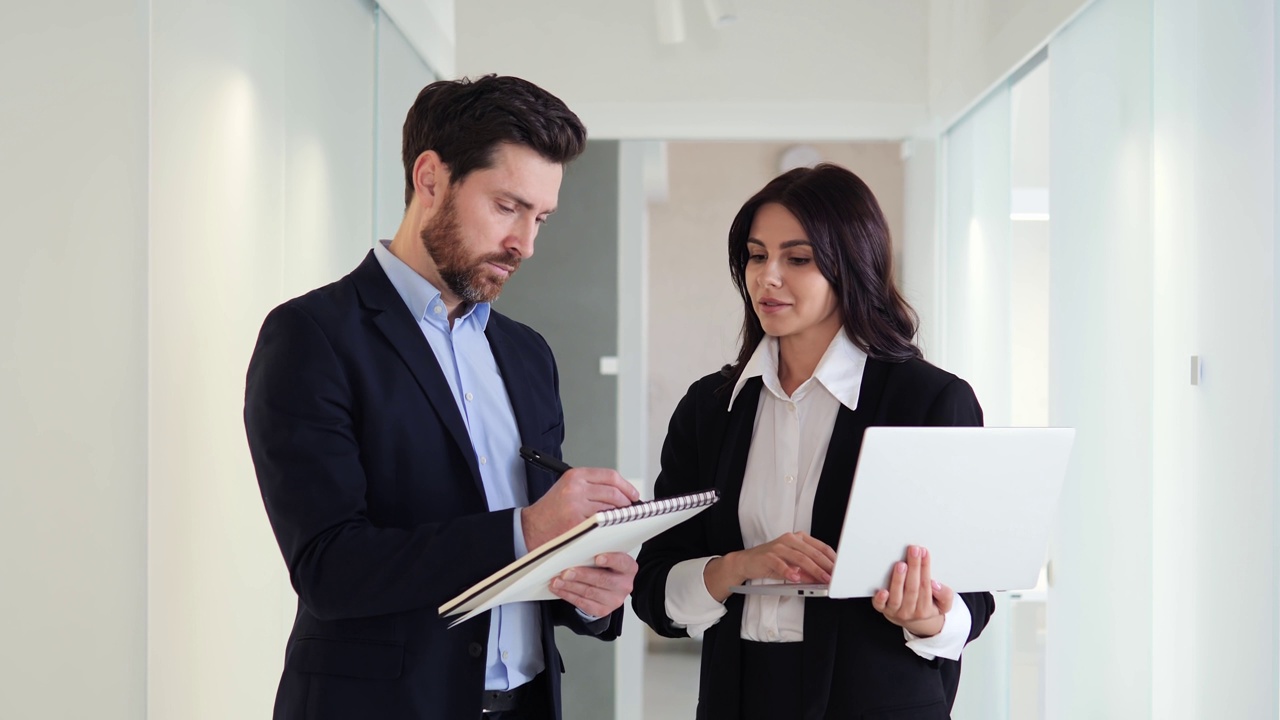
(521,201)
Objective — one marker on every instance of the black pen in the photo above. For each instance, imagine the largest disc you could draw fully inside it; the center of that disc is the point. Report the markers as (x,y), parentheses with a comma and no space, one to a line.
(547,462)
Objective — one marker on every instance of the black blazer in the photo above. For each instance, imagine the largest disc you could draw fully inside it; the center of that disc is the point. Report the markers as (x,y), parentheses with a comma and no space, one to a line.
(856,663)
(371,485)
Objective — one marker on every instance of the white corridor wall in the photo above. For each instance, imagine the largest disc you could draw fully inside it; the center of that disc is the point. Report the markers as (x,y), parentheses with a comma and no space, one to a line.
(261,167)
(266,142)
(73,373)
(1163,602)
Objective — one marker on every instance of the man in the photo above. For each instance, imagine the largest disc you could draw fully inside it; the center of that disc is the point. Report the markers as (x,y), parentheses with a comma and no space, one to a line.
(385,413)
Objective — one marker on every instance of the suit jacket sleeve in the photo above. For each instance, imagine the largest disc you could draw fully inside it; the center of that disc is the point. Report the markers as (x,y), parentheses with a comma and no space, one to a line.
(956,405)
(679,475)
(299,419)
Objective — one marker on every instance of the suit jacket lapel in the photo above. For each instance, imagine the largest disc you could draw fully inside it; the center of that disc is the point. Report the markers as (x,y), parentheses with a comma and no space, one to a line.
(392,317)
(828,520)
(515,376)
(731,466)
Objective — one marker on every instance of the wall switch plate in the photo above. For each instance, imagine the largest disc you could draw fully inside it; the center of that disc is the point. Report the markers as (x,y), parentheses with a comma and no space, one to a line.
(1197,370)
(608,365)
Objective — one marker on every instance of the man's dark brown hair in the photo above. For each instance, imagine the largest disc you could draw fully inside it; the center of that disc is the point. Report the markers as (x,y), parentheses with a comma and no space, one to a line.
(465,121)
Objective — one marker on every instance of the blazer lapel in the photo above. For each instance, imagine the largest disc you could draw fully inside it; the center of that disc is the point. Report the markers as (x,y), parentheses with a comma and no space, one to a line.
(829,505)
(731,466)
(832,497)
(515,377)
(392,317)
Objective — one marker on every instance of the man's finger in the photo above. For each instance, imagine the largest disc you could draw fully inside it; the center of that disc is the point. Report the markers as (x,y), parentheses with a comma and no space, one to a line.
(618,562)
(612,479)
(607,495)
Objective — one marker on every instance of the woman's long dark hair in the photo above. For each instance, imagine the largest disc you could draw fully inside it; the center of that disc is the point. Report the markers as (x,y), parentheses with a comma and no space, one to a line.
(851,246)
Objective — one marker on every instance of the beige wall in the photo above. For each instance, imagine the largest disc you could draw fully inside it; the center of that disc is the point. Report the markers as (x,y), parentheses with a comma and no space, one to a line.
(694,312)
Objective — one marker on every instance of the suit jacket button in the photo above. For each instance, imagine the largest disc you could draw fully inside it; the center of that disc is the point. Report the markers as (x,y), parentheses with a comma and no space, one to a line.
(475,650)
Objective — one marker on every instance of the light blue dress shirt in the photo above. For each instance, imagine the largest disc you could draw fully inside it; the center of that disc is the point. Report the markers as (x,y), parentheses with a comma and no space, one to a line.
(515,640)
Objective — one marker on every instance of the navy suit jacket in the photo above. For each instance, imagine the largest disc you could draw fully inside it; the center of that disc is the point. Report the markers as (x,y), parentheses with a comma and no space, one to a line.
(856,663)
(371,485)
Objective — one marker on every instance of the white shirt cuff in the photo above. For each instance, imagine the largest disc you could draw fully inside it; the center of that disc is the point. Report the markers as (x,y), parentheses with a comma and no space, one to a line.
(950,642)
(688,603)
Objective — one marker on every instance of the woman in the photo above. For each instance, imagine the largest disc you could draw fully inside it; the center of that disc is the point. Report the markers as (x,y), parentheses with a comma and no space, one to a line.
(827,351)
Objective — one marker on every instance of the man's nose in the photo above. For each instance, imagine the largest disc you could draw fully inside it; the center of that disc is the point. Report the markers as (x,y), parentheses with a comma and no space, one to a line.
(520,241)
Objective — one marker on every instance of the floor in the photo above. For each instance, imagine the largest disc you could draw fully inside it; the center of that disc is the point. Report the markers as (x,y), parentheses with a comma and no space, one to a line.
(671,682)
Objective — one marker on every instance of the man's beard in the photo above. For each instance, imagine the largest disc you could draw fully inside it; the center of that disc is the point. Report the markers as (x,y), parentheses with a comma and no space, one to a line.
(466,276)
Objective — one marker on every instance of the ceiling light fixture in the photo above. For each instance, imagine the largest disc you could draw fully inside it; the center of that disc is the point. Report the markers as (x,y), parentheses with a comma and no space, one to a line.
(670,15)
(721,13)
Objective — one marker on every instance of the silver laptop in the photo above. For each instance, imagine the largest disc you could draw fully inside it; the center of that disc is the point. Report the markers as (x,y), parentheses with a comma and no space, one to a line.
(982,500)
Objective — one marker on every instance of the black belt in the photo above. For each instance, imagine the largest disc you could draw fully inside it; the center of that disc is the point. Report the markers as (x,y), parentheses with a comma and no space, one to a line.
(496,701)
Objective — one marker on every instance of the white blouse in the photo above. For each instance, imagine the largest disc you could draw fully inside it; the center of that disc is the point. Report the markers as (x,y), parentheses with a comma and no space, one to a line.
(777,497)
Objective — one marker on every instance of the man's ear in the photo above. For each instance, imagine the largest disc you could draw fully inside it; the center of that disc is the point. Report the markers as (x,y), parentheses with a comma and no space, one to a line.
(430,177)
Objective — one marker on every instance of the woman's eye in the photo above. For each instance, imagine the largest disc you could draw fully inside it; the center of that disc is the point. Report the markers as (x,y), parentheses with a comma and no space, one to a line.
(755,258)
(801,260)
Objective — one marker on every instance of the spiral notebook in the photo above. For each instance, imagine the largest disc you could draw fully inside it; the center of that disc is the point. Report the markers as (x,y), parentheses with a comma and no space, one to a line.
(617,530)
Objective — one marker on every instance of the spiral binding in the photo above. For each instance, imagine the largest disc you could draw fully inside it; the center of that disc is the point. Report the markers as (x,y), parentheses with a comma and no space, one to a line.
(652,508)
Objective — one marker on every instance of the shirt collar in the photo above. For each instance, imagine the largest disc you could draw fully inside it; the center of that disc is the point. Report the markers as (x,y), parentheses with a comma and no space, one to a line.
(839,371)
(417,292)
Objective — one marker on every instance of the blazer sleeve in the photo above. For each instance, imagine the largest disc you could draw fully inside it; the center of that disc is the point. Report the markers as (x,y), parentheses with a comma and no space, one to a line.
(956,405)
(678,475)
(299,421)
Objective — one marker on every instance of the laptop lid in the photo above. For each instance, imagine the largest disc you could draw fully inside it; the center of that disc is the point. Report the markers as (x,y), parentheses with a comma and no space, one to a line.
(982,500)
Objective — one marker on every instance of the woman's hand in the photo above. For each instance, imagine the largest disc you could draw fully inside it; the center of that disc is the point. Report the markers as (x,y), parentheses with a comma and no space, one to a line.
(794,557)
(914,601)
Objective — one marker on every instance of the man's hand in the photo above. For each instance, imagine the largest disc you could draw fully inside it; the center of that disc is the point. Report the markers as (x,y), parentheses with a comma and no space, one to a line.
(914,601)
(601,589)
(576,496)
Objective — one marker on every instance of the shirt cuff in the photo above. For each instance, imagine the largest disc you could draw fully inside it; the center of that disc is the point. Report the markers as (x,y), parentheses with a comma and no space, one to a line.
(688,603)
(518,528)
(950,642)
(588,617)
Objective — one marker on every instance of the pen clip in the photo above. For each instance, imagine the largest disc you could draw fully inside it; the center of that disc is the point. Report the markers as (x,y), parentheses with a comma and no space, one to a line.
(540,459)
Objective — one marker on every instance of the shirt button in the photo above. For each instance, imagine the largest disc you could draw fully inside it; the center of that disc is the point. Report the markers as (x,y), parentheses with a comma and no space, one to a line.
(773,634)
(506,655)
(484,460)
(791,407)
(475,650)
(470,397)
(439,310)
(790,479)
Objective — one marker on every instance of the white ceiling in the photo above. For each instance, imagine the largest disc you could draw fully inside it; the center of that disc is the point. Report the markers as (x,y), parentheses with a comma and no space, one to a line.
(839,68)
(787,69)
